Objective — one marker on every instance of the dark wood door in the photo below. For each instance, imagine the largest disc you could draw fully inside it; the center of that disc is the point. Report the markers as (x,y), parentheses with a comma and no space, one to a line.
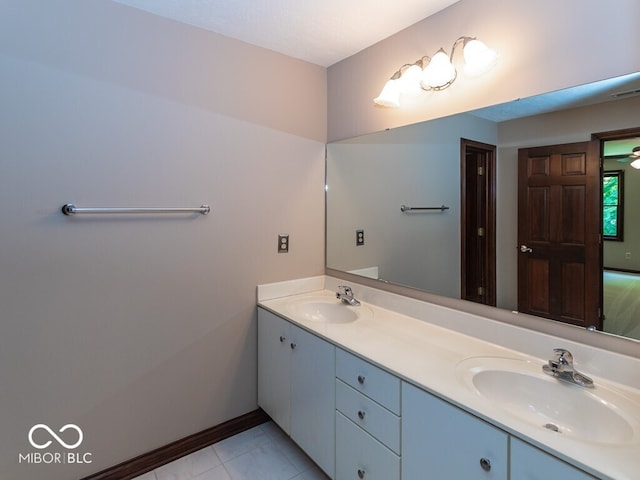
(478,224)
(559,243)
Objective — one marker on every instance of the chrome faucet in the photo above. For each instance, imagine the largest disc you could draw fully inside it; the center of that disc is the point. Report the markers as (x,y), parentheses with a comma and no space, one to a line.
(561,367)
(346,295)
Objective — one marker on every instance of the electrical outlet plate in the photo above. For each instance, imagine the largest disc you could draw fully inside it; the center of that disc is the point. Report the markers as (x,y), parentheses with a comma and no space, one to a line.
(359,238)
(283,243)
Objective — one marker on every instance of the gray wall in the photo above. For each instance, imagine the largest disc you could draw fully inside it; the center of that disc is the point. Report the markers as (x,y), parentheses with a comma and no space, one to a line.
(369,178)
(142,330)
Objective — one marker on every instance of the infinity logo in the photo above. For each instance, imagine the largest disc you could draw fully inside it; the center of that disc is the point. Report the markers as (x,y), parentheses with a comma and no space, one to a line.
(53,434)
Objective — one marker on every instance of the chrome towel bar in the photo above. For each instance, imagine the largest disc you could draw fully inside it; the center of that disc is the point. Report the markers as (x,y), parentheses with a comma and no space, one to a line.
(71,209)
(404,208)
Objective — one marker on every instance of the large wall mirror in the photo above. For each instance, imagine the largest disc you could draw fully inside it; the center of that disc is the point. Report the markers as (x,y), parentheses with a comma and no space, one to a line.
(369,179)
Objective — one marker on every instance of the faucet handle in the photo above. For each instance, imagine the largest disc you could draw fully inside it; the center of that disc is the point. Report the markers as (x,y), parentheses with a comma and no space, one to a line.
(346,290)
(564,357)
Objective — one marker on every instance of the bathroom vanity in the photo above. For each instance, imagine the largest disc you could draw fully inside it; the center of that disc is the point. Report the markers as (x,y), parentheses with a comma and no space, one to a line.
(384,391)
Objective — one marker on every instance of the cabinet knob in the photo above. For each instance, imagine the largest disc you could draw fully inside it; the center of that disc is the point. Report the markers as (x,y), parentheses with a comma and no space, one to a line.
(282,339)
(361,414)
(360,473)
(360,379)
(293,346)
(485,463)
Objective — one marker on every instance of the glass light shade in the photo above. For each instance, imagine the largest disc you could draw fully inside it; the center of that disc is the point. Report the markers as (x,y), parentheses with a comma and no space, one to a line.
(410,80)
(439,73)
(390,95)
(636,164)
(478,58)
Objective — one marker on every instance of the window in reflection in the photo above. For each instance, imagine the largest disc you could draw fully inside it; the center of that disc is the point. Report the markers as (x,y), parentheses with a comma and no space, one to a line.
(612,205)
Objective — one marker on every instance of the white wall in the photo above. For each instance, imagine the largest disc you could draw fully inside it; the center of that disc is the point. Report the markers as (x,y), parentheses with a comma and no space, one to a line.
(543,45)
(142,330)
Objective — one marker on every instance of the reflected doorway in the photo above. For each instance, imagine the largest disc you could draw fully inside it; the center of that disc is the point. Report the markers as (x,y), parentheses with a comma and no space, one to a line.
(620,254)
(478,222)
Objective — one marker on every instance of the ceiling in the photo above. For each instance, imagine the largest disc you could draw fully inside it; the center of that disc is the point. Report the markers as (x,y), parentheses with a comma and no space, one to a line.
(621,149)
(322,32)
(616,88)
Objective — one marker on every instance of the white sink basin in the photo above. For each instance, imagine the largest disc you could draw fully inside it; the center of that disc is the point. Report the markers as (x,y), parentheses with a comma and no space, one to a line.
(520,389)
(327,310)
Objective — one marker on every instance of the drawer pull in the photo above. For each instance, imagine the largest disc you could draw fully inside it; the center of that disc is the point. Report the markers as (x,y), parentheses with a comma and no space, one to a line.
(360,473)
(282,339)
(293,346)
(361,414)
(485,463)
(360,379)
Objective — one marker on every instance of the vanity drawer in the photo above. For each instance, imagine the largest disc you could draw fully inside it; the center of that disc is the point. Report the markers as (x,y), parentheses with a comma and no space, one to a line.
(369,415)
(374,382)
(360,456)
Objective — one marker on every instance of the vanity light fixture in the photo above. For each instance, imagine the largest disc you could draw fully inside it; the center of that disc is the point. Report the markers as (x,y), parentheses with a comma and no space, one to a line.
(635,158)
(437,72)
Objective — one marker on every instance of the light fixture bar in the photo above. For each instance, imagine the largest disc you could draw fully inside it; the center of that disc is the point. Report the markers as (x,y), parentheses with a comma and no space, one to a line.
(437,72)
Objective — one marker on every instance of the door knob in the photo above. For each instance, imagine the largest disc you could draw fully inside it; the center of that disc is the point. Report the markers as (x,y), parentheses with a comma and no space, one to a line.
(525,249)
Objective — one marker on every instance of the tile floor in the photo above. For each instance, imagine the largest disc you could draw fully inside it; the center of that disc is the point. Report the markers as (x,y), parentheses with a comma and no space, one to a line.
(261,453)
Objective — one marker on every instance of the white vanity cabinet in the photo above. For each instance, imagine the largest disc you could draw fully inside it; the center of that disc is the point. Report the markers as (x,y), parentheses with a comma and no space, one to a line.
(530,463)
(441,441)
(296,385)
(360,419)
(367,420)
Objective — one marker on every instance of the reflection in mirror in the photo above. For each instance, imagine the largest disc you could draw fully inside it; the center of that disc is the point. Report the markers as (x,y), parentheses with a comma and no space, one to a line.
(621,259)
(370,177)
(369,180)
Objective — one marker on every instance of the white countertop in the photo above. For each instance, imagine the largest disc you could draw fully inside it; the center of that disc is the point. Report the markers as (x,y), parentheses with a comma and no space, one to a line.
(418,350)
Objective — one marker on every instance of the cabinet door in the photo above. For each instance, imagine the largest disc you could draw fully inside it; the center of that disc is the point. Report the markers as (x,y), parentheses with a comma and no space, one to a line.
(313,397)
(530,463)
(442,442)
(274,367)
(360,456)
